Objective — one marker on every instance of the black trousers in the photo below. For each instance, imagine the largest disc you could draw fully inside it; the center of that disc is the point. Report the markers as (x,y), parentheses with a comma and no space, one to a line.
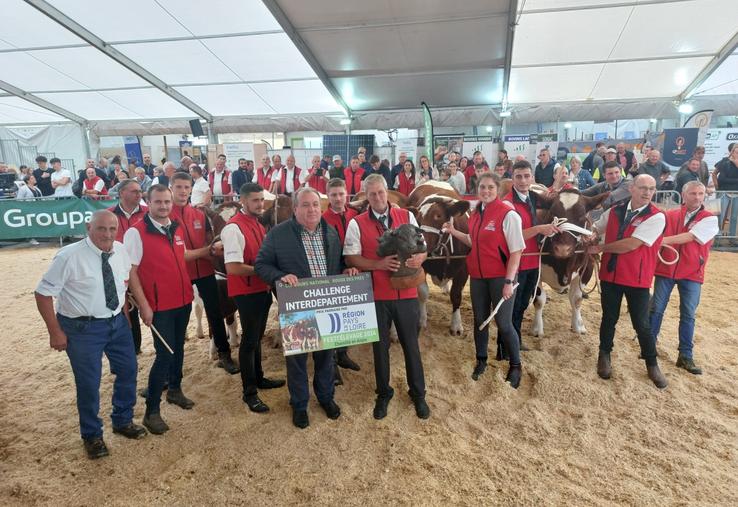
(637,298)
(207,286)
(486,292)
(253,311)
(297,378)
(526,289)
(167,367)
(405,313)
(135,328)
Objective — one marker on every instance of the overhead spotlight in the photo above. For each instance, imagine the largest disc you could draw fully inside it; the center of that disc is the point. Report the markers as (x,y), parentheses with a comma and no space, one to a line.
(685,108)
(505,114)
(654,120)
(567,125)
(345,121)
(489,128)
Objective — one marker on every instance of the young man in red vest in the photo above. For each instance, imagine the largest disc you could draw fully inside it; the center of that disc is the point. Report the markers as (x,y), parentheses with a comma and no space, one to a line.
(690,229)
(353,176)
(242,238)
(161,286)
(287,179)
(633,233)
(220,180)
(392,305)
(338,216)
(197,233)
(264,173)
(525,203)
(129,211)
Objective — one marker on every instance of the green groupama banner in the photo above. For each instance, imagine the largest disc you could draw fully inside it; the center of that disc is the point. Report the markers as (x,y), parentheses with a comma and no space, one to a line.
(47,218)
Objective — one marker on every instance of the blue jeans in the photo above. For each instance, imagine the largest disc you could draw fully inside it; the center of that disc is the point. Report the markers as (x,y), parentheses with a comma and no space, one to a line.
(689,298)
(732,202)
(172,325)
(87,341)
(297,378)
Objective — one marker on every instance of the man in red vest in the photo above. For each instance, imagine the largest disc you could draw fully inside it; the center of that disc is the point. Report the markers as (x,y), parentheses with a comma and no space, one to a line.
(197,233)
(93,186)
(220,181)
(242,238)
(338,216)
(129,211)
(690,229)
(392,305)
(317,176)
(353,176)
(525,203)
(633,232)
(264,173)
(161,286)
(287,179)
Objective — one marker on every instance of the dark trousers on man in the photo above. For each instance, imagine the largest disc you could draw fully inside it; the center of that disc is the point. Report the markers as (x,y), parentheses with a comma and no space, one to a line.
(135,328)
(207,286)
(405,313)
(253,311)
(637,298)
(297,379)
(87,341)
(525,291)
(485,294)
(167,367)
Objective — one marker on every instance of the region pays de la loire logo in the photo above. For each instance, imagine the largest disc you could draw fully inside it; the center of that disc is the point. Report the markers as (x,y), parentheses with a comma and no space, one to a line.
(335,322)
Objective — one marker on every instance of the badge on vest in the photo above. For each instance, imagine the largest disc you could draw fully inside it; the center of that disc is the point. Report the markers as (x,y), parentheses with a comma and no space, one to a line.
(636,222)
(491,226)
(178,241)
(197,224)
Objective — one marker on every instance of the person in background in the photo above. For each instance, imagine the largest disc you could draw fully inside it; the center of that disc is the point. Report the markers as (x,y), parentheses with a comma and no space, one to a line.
(93,187)
(264,173)
(186,162)
(614,183)
(244,174)
(690,229)
(363,163)
(316,175)
(502,156)
(397,169)
(727,181)
(581,180)
(353,176)
(120,177)
(425,170)
(703,172)
(104,165)
(142,178)
(561,180)
(61,179)
(288,178)
(42,173)
(23,170)
(29,190)
(219,180)
(131,168)
(544,173)
(325,163)
(277,161)
(500,170)
(589,163)
(148,166)
(88,279)
(456,178)
(405,181)
(653,166)
(201,194)
(378,168)
(626,159)
(337,170)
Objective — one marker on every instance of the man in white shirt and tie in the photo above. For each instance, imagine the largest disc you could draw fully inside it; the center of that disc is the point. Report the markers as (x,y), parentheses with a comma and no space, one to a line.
(89,280)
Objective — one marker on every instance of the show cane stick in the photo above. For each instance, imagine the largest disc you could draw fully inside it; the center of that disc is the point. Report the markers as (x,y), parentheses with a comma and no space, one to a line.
(497,309)
(156,332)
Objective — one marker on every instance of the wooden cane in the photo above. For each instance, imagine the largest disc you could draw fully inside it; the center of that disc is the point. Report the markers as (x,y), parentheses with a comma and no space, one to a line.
(156,332)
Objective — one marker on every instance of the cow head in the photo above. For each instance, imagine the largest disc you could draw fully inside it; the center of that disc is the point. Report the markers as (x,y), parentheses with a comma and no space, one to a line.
(404,241)
(574,207)
(435,211)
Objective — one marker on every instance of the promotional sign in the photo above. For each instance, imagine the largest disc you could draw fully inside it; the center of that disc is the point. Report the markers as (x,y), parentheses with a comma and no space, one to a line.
(716,144)
(185,148)
(679,145)
(326,313)
(47,218)
(517,145)
(700,120)
(488,148)
(234,151)
(406,146)
(133,149)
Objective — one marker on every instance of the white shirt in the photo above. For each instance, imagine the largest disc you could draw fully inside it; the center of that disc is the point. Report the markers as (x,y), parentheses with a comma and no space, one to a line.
(62,190)
(233,243)
(133,244)
(289,184)
(75,279)
(647,231)
(352,242)
(458,182)
(704,230)
(199,189)
(217,182)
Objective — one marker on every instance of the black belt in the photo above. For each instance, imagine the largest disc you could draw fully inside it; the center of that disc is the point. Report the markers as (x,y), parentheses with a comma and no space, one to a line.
(89,318)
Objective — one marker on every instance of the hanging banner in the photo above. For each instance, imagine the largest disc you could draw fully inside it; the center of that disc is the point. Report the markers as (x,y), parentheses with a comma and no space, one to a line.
(517,145)
(234,151)
(407,146)
(679,145)
(700,120)
(133,149)
(47,218)
(428,127)
(326,313)
(716,144)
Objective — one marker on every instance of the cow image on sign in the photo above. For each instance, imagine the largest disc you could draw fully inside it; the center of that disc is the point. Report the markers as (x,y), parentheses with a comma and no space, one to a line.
(405,241)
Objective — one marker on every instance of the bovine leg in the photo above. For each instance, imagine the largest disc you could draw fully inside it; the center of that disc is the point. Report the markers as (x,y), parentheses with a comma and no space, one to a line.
(575,298)
(198,304)
(213,350)
(457,287)
(232,326)
(423,300)
(539,301)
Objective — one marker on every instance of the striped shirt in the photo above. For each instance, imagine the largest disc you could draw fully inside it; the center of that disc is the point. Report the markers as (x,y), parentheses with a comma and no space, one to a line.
(312,242)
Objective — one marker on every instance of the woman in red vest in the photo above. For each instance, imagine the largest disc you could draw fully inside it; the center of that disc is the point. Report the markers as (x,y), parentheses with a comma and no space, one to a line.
(496,241)
(405,181)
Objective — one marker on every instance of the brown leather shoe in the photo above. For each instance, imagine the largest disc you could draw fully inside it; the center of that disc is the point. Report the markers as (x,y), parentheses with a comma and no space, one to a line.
(654,373)
(687,363)
(604,370)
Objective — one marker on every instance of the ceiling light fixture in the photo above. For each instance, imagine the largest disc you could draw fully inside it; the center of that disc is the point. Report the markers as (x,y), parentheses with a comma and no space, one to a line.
(505,114)
(345,121)
(685,108)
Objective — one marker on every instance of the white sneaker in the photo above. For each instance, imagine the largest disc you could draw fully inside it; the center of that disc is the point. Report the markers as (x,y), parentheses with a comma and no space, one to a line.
(33,242)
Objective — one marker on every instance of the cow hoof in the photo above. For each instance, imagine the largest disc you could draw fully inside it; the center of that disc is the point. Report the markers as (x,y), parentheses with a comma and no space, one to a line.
(581,330)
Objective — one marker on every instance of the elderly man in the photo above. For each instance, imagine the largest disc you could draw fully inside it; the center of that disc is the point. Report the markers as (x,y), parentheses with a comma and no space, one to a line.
(691,229)
(392,305)
(654,167)
(544,173)
(614,183)
(242,237)
(142,178)
(287,179)
(337,170)
(626,159)
(304,247)
(317,175)
(264,173)
(148,167)
(186,162)
(93,186)
(169,170)
(244,174)
(277,161)
(632,234)
(88,280)
(220,181)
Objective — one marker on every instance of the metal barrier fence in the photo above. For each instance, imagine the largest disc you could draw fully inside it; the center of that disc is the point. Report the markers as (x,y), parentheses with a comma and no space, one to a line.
(667,199)
(725,204)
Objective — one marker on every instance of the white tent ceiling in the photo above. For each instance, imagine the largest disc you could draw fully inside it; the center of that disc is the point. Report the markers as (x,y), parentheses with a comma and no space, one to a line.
(291,61)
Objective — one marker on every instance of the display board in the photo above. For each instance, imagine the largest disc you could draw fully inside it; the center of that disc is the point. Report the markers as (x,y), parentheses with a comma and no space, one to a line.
(234,151)
(716,144)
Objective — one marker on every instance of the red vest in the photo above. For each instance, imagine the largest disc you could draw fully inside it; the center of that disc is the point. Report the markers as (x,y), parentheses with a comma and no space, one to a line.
(334,220)
(225,187)
(295,179)
(468,173)
(531,244)
(253,234)
(692,255)
(162,270)
(371,230)
(193,226)
(317,182)
(405,185)
(635,268)
(489,252)
(126,223)
(353,180)
(264,180)
(90,185)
